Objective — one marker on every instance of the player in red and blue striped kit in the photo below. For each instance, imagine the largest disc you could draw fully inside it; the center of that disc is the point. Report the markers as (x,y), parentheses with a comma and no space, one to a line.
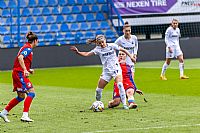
(128,83)
(21,83)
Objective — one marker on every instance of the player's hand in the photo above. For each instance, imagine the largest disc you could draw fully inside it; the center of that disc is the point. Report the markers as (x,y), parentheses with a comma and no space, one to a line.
(133,59)
(73,48)
(170,49)
(31,71)
(26,73)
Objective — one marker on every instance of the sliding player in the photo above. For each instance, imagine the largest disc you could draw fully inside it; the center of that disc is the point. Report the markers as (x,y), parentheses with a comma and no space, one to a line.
(173,49)
(21,82)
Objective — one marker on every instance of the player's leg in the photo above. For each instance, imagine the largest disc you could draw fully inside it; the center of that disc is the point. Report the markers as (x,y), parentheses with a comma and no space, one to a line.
(131,100)
(27,104)
(101,84)
(114,103)
(118,80)
(20,97)
(164,68)
(181,67)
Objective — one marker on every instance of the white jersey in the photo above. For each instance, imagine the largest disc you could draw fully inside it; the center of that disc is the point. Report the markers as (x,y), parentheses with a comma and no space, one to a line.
(108,57)
(172,36)
(130,45)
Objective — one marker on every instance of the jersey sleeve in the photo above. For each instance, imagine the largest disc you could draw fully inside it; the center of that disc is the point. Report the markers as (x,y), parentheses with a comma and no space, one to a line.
(95,51)
(136,46)
(26,52)
(167,36)
(118,41)
(114,46)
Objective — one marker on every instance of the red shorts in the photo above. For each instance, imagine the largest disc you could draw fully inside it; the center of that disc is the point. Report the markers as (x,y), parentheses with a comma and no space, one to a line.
(20,83)
(127,85)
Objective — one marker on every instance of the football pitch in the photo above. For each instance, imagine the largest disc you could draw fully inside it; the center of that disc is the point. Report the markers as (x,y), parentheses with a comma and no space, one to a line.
(64,95)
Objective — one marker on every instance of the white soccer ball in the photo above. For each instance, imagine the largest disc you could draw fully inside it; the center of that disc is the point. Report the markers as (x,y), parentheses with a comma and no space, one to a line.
(97,106)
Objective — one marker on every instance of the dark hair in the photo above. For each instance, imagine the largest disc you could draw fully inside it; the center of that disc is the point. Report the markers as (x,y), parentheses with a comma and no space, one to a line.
(30,36)
(126,24)
(97,38)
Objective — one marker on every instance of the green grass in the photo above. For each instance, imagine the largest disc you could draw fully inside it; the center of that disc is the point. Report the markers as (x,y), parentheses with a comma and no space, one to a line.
(63,96)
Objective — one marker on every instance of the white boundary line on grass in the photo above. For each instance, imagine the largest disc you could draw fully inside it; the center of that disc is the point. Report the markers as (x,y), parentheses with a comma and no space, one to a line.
(145,128)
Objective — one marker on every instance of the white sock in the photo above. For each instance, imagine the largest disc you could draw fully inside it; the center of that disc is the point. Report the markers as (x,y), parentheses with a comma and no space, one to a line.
(4,111)
(122,92)
(181,67)
(25,114)
(98,93)
(164,68)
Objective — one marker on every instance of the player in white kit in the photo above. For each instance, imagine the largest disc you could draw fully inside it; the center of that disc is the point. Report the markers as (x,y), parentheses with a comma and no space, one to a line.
(173,49)
(111,67)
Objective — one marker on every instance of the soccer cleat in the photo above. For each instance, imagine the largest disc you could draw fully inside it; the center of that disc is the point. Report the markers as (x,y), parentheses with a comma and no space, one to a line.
(125,107)
(26,119)
(132,106)
(184,77)
(162,77)
(4,117)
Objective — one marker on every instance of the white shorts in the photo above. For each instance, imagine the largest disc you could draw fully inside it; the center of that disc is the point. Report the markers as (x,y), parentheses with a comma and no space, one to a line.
(108,75)
(176,51)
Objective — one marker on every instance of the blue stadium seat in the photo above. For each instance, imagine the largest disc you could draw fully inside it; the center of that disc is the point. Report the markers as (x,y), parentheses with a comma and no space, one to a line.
(5,13)
(42,3)
(104,25)
(23,3)
(56,11)
(32,3)
(48,37)
(21,20)
(85,9)
(80,2)
(62,2)
(90,17)
(2,22)
(41,43)
(7,39)
(29,20)
(95,8)
(66,10)
(3,4)
(74,27)
(78,36)
(69,36)
(70,19)
(80,18)
(101,1)
(60,19)
(75,9)
(3,30)
(44,28)
(54,28)
(64,28)
(89,35)
(100,17)
(9,21)
(84,26)
(26,12)
(23,29)
(46,11)
(50,19)
(40,20)
(52,2)
(104,8)
(99,32)
(94,26)
(91,2)
(34,28)
(40,38)
(60,37)
(12,4)
(110,34)
(71,2)
(15,12)
(36,12)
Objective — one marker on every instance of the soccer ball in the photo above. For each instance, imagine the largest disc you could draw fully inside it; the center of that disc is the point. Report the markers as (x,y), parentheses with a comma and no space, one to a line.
(97,106)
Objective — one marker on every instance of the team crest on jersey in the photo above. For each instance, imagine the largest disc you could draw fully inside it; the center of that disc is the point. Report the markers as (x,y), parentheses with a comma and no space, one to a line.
(29,84)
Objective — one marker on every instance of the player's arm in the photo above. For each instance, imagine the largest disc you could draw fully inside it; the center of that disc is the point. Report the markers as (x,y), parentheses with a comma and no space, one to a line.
(73,48)
(125,51)
(135,48)
(167,36)
(22,64)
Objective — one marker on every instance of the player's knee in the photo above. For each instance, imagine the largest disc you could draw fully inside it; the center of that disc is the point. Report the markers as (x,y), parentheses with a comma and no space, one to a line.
(19,98)
(31,94)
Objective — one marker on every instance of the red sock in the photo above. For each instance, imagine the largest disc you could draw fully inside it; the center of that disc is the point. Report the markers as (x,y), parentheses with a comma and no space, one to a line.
(27,103)
(12,104)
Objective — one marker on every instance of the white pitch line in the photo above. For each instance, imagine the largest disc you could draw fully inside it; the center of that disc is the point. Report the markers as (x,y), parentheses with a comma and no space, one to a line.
(145,128)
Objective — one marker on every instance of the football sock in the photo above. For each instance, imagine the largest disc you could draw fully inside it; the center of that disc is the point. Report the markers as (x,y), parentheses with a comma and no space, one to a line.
(13,103)
(181,67)
(122,92)
(164,68)
(131,100)
(98,93)
(28,101)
